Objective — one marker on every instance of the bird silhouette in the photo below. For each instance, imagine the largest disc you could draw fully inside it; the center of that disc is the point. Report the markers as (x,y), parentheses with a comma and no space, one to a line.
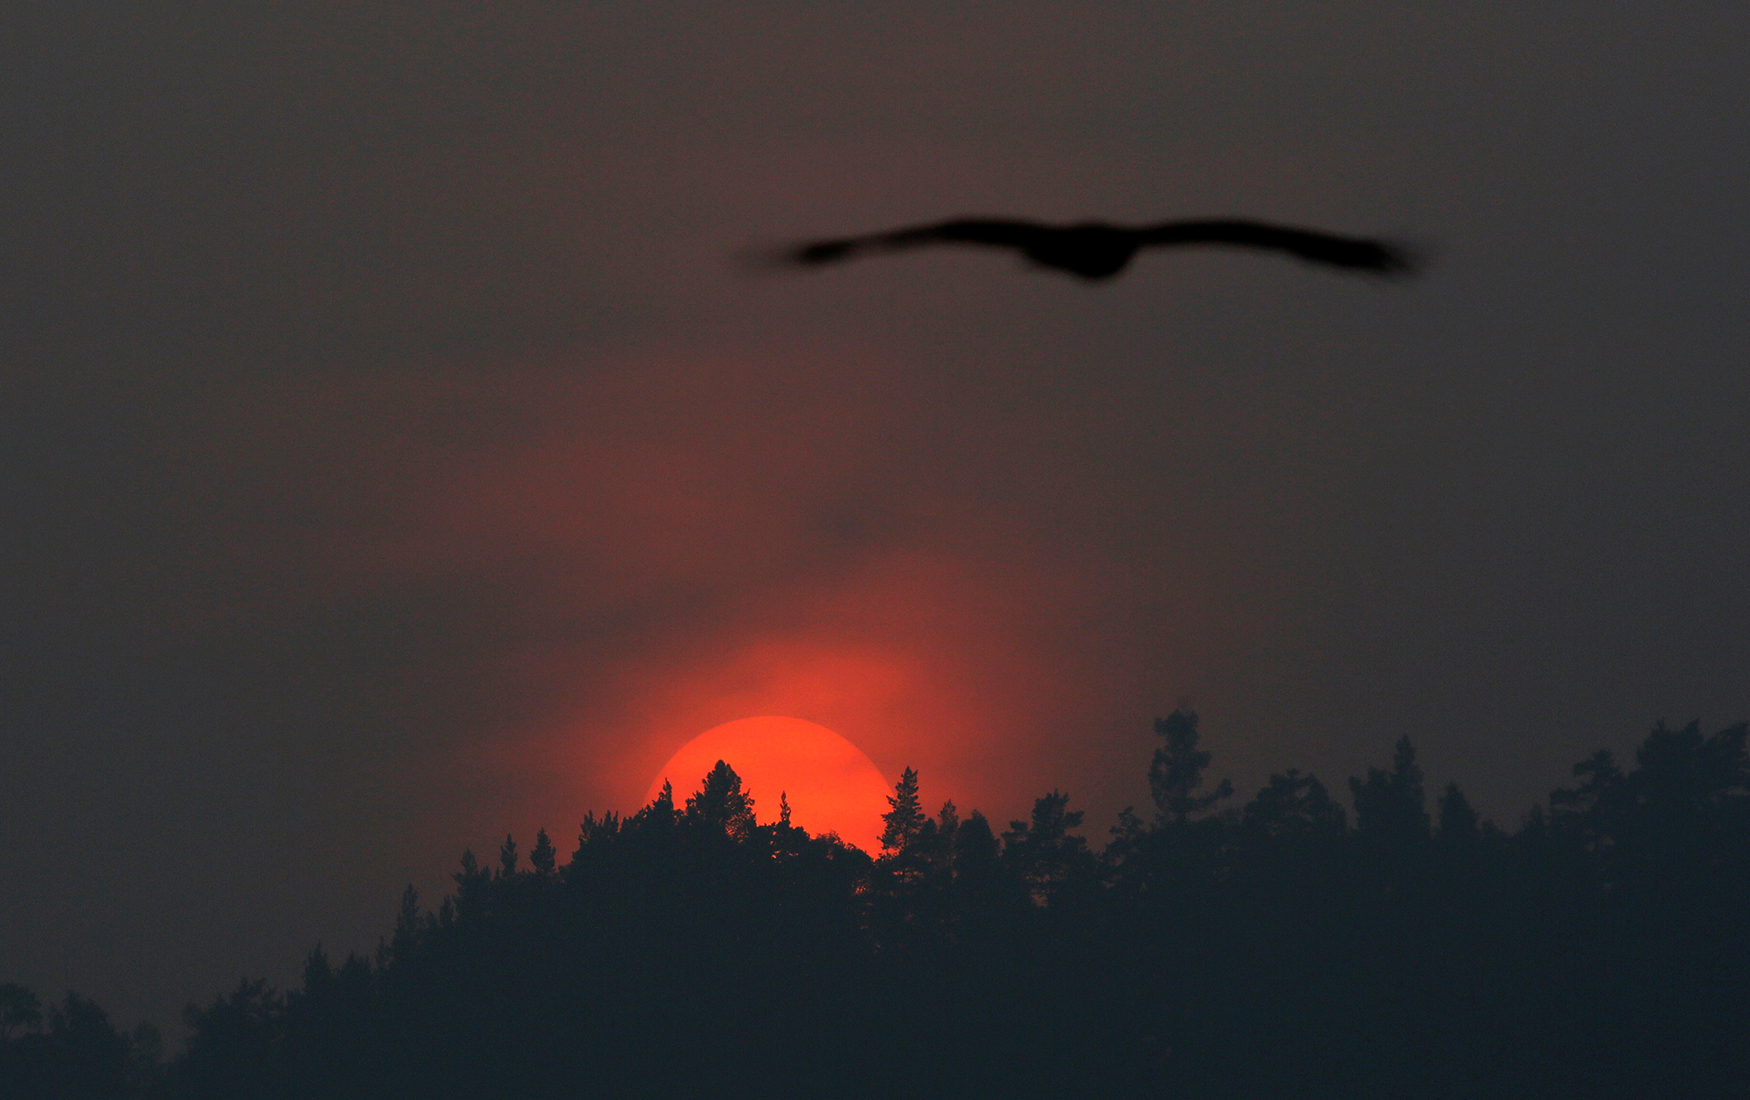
(1096,250)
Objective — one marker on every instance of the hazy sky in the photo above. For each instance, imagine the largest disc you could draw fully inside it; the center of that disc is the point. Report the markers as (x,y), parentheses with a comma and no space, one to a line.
(392,454)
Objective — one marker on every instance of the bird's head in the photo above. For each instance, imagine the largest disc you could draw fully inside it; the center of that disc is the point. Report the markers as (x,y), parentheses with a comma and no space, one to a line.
(823,252)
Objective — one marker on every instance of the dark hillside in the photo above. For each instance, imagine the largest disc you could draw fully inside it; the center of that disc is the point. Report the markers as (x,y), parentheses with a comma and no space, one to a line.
(1285,947)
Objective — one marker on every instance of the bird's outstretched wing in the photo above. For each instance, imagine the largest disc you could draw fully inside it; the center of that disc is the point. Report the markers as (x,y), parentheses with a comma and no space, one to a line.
(1097,250)
(1001,232)
(1355,253)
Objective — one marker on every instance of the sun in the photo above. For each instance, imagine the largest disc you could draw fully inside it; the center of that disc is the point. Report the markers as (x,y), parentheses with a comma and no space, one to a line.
(832,786)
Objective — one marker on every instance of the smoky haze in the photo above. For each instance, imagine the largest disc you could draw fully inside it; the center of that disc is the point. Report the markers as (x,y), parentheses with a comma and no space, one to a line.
(394,456)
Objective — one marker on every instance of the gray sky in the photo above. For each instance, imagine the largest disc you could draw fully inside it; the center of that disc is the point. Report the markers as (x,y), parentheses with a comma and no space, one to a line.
(391,455)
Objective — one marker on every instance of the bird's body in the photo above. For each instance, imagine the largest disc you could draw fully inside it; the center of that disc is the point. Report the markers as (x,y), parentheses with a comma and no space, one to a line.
(1096,250)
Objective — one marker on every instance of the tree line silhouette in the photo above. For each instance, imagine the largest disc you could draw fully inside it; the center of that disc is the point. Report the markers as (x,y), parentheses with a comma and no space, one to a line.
(1273,948)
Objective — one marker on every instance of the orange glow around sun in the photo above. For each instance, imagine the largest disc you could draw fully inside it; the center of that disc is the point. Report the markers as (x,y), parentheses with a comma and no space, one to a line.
(831,785)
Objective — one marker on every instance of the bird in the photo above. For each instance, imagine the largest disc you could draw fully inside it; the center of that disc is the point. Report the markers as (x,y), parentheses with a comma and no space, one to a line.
(1096,251)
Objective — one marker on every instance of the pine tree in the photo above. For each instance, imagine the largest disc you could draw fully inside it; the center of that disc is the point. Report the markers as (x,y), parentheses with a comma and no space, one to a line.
(906,819)
(407,923)
(1389,815)
(542,857)
(507,856)
(1294,805)
(947,824)
(470,872)
(20,1010)
(1458,821)
(1043,852)
(721,806)
(659,816)
(1176,771)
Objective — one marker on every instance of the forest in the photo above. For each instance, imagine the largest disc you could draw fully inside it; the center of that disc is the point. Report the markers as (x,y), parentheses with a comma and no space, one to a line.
(1289,946)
